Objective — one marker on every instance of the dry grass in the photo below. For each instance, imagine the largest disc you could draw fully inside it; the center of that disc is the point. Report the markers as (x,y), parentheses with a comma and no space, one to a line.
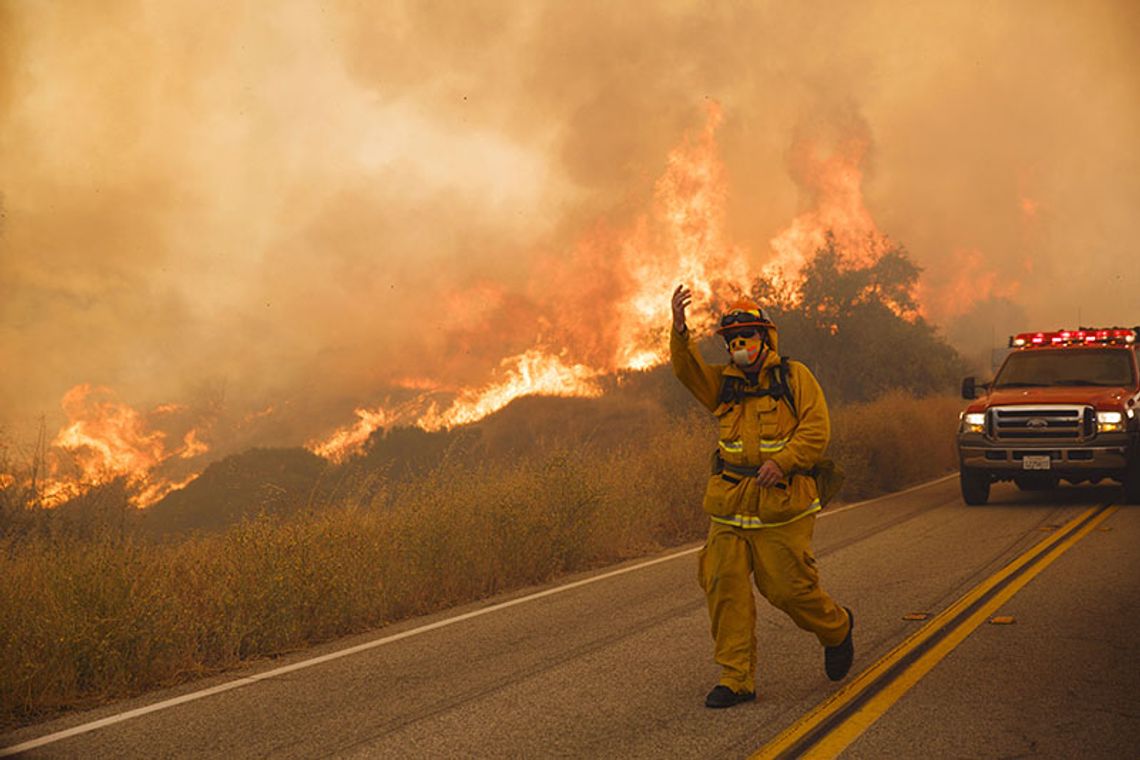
(893,442)
(83,620)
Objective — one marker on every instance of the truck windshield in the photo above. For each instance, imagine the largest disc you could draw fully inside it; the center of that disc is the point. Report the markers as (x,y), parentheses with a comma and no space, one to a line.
(1039,368)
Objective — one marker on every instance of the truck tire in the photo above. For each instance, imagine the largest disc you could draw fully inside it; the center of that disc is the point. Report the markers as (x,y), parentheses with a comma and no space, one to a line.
(975,486)
(1132,481)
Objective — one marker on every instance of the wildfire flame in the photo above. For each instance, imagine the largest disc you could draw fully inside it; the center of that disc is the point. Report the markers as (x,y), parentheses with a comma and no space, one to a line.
(529,373)
(613,319)
(352,437)
(106,439)
(192,446)
(252,417)
(682,239)
(691,200)
(835,180)
(971,282)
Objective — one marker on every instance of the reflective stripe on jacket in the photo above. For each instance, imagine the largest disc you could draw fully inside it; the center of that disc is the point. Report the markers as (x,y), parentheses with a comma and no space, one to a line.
(757,429)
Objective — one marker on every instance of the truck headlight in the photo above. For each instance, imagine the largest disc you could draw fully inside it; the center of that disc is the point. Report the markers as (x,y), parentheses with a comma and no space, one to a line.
(974,422)
(1109,422)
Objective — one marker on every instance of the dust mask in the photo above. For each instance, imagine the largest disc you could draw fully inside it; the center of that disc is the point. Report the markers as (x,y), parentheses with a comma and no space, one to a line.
(745,349)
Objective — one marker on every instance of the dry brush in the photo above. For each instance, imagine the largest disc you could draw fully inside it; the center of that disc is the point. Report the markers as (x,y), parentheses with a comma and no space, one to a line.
(87,619)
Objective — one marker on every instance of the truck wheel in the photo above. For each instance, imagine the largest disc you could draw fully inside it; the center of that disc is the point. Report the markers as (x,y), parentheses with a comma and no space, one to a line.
(975,486)
(1132,482)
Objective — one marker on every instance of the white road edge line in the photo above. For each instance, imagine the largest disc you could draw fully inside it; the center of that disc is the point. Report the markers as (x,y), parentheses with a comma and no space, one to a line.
(246,681)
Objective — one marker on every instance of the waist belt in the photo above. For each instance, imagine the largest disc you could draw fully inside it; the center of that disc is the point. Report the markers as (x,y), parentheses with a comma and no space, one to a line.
(749,471)
(827,474)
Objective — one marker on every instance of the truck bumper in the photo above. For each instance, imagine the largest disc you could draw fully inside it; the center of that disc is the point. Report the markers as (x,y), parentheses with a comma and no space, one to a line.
(1108,457)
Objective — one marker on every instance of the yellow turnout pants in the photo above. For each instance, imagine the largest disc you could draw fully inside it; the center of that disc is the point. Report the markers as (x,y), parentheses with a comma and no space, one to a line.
(781,563)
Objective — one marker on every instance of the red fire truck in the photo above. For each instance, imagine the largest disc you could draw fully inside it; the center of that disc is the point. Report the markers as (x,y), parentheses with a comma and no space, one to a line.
(1065,405)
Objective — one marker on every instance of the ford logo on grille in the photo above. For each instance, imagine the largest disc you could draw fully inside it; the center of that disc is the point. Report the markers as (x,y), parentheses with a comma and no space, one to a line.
(1037,423)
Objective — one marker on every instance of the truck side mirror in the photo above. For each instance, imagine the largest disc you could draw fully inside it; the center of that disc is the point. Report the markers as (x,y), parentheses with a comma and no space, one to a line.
(969,388)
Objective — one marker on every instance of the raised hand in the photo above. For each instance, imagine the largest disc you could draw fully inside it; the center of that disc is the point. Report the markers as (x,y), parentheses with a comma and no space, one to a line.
(682,297)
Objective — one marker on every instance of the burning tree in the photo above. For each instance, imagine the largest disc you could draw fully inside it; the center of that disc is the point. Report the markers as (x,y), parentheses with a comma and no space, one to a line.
(859,327)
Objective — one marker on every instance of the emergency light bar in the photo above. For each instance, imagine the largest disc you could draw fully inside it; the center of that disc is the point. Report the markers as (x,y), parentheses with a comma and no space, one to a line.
(1083,336)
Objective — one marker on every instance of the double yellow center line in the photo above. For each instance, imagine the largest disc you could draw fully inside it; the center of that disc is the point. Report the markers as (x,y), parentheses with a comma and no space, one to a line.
(831,726)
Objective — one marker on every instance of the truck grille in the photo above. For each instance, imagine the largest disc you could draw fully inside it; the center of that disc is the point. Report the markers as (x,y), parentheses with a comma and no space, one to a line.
(1041,423)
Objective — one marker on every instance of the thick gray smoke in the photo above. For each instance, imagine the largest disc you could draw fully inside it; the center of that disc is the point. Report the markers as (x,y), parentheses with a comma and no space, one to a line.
(300,204)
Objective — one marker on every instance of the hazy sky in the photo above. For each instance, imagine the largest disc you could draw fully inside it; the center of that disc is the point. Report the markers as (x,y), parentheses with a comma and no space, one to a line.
(296,201)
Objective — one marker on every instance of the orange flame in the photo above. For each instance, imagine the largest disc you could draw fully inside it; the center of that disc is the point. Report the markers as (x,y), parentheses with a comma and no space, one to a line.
(836,181)
(970,282)
(53,492)
(192,446)
(530,373)
(256,415)
(614,317)
(151,492)
(609,311)
(349,439)
(690,214)
(106,439)
(169,408)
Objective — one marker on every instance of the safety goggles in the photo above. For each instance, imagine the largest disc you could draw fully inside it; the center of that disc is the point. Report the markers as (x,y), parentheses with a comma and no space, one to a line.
(739,318)
(745,333)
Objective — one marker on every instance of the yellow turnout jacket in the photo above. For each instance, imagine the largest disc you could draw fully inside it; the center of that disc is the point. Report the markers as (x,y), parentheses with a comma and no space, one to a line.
(755,429)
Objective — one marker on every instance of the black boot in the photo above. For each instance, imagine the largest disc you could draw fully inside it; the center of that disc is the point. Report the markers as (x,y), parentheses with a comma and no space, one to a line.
(722,696)
(837,660)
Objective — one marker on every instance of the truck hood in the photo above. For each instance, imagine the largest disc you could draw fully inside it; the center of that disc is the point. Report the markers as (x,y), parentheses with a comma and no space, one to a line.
(1101,398)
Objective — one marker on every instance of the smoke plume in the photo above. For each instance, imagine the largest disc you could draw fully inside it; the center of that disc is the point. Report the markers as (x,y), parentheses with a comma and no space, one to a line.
(276,214)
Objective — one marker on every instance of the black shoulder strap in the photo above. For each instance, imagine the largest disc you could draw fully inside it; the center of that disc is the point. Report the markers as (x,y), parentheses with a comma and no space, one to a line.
(780,374)
(732,388)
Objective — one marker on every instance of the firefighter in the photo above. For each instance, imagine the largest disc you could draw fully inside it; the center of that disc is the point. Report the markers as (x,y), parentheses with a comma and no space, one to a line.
(761,498)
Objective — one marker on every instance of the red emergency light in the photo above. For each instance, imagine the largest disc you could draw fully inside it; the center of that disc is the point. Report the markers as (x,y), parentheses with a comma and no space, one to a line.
(1082,336)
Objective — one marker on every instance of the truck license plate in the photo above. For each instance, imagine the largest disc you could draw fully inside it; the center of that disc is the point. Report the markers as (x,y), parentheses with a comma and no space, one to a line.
(1036,463)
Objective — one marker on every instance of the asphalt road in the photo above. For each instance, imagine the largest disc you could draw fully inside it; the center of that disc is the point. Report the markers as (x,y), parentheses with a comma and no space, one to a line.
(619,666)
